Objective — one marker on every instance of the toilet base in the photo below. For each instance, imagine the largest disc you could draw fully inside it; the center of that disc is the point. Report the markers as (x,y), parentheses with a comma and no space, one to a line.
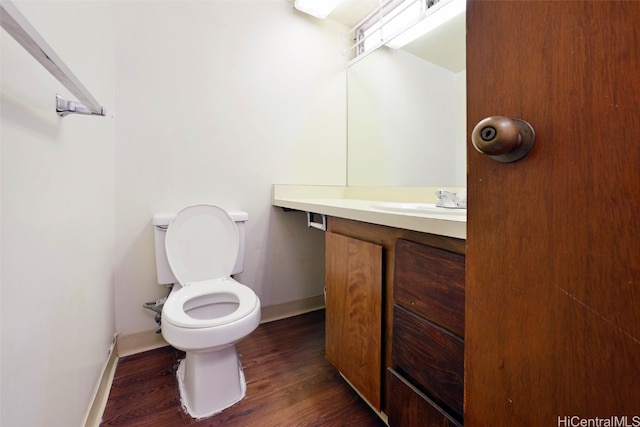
(210,381)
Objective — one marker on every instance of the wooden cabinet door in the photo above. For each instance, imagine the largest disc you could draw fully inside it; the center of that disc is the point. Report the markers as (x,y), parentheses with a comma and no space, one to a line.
(553,240)
(354,312)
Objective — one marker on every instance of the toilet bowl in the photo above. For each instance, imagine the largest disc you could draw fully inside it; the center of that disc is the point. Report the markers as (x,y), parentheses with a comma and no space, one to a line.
(207,311)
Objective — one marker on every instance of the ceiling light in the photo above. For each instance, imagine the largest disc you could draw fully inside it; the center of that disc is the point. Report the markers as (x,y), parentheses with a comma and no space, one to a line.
(435,16)
(318,8)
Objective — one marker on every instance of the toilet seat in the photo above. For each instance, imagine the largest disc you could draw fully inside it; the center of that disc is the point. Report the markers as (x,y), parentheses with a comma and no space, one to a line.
(202,244)
(218,289)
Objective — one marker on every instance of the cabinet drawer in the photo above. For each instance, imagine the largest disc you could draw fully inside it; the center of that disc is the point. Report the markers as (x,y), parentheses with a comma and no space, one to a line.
(430,283)
(408,407)
(430,356)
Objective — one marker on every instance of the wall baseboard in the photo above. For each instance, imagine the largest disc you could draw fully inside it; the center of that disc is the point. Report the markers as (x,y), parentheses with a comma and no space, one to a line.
(129,344)
(291,308)
(139,342)
(101,394)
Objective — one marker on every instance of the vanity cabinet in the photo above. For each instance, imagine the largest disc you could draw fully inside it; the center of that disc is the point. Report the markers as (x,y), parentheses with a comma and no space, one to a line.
(427,376)
(361,264)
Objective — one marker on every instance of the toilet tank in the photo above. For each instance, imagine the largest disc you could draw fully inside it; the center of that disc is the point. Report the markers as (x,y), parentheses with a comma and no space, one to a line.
(161,222)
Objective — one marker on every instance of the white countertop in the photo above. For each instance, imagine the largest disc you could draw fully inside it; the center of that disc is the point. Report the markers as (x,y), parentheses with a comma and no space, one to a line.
(356,203)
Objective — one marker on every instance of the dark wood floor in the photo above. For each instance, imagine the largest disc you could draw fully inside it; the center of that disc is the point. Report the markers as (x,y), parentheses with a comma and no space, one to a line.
(289,383)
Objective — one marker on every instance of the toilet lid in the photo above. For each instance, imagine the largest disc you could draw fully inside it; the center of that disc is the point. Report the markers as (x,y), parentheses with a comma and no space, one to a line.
(201,244)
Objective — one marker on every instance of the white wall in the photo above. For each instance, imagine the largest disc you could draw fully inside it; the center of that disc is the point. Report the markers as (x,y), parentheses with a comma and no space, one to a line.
(57,220)
(207,101)
(215,102)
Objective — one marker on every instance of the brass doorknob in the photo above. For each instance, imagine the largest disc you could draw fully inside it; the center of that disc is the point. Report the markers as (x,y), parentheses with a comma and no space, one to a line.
(503,139)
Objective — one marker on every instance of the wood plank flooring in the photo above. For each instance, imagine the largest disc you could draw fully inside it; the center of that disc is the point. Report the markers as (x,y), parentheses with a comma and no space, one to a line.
(289,383)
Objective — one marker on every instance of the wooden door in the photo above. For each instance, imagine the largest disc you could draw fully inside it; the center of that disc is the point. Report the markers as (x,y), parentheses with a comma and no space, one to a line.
(553,248)
(354,312)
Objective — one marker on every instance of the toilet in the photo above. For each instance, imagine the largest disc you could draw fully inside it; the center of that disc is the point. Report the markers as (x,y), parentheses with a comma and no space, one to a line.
(207,311)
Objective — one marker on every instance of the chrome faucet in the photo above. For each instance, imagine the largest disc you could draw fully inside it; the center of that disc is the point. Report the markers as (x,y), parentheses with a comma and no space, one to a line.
(447,199)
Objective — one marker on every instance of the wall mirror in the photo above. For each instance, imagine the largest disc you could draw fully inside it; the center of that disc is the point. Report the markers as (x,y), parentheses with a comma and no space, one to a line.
(406,110)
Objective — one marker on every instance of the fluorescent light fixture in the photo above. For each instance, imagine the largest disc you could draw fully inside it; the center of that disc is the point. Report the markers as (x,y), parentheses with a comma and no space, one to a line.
(435,16)
(318,8)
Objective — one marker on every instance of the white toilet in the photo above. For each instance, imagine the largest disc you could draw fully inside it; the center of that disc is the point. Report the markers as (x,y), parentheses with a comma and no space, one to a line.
(207,311)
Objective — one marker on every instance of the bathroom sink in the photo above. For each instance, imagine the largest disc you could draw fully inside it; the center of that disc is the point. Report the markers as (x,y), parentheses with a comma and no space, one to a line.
(423,208)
